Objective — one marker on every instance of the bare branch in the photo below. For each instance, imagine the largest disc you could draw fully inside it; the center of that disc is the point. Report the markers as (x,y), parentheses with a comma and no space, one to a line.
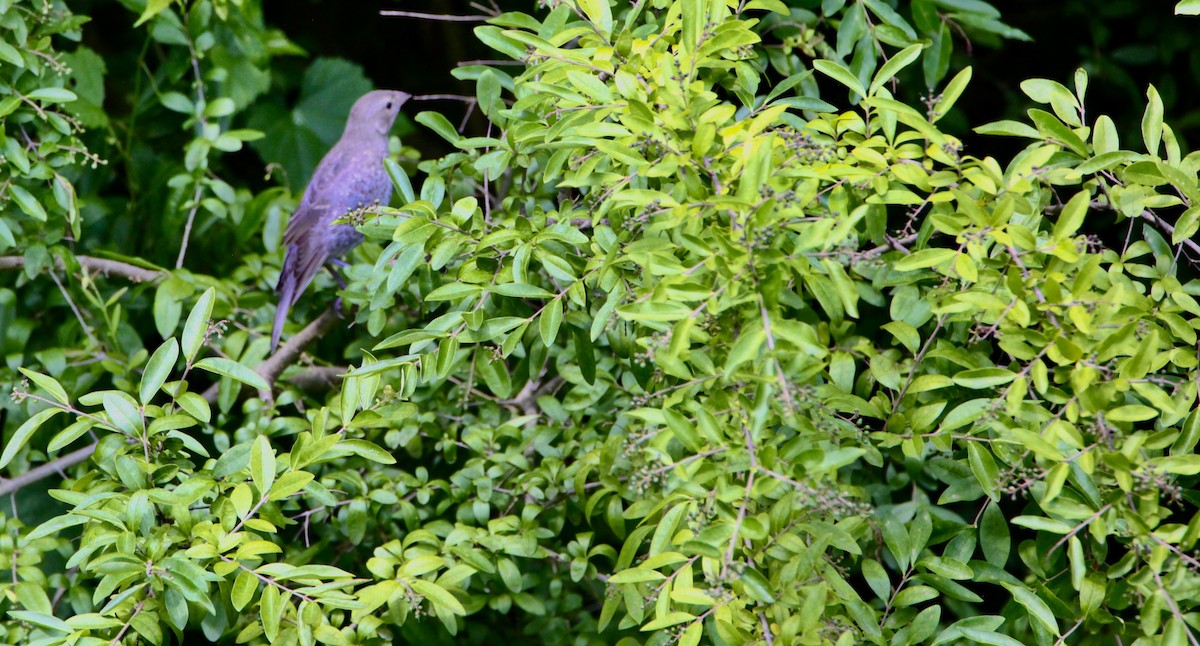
(98,265)
(288,353)
(318,378)
(442,17)
(45,470)
(187,228)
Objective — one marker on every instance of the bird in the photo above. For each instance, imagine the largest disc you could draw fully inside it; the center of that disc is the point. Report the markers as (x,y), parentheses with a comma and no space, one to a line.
(349,177)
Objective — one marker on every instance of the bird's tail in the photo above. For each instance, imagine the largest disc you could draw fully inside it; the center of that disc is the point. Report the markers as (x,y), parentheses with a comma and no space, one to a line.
(300,264)
(286,289)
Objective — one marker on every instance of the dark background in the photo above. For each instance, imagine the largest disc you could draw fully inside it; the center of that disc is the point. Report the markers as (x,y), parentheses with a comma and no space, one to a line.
(1123,44)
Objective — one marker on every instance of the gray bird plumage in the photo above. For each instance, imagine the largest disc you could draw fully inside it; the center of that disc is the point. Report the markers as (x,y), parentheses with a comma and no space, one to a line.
(350,176)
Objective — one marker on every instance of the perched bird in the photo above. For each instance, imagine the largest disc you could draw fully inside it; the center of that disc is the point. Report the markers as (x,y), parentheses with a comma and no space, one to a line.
(349,177)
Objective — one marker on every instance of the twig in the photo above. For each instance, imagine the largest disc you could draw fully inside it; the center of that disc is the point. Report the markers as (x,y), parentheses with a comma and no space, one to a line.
(915,366)
(766,627)
(1174,607)
(783,380)
(1078,528)
(99,265)
(741,516)
(187,227)
(75,309)
(129,622)
(1037,291)
(432,16)
(446,97)
(1166,226)
(267,580)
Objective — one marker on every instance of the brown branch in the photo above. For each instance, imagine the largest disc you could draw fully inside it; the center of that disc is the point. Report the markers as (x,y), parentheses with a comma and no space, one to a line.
(46,470)
(318,378)
(288,353)
(98,265)
(1166,226)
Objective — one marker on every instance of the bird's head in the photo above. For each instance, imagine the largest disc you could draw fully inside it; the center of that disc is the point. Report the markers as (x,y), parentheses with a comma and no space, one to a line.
(375,111)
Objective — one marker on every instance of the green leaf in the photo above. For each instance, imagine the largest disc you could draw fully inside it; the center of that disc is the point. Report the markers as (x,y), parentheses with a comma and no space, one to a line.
(895,536)
(41,619)
(52,95)
(28,204)
(877,579)
(989,637)
(892,67)
(1042,524)
(1131,413)
(950,95)
(1072,216)
(1009,128)
(670,619)
(437,595)
(1037,608)
(48,384)
(983,378)
(158,369)
(11,55)
(233,370)
(842,75)
(123,413)
(746,348)
(1187,225)
(510,575)
(520,290)
(400,181)
(368,450)
(196,327)
(694,13)
(440,125)
(262,465)
(23,433)
(153,8)
(994,536)
(453,292)
(1152,121)
(925,258)
(636,575)
(243,590)
(585,355)
(1187,8)
(234,459)
(984,468)
(69,434)
(550,321)
(270,611)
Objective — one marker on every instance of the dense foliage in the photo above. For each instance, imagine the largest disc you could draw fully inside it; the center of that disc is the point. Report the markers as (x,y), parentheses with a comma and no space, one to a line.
(716,334)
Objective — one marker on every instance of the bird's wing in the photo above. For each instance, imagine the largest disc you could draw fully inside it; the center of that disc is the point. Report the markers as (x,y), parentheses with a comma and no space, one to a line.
(315,205)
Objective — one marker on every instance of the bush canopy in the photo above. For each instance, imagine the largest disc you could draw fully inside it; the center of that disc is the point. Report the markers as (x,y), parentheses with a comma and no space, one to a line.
(723,326)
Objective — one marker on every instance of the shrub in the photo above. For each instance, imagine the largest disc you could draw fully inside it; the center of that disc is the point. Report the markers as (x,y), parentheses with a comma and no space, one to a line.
(715,335)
